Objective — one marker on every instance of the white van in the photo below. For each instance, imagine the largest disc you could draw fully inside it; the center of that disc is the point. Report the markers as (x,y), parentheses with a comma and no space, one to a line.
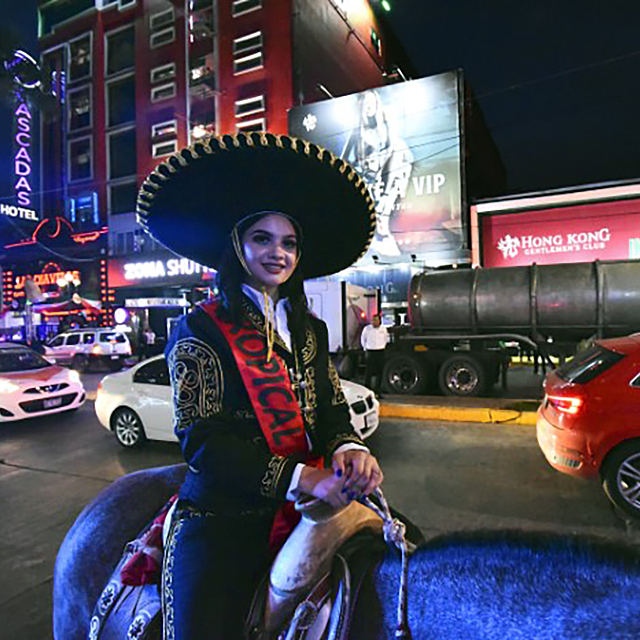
(80,348)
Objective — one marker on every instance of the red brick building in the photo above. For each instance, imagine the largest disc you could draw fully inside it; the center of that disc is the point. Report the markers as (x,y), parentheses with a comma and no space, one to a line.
(134,80)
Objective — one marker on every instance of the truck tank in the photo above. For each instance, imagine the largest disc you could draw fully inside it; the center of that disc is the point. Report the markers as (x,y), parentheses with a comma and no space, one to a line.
(567,302)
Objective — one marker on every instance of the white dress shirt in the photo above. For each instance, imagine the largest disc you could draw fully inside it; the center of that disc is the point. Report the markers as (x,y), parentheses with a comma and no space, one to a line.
(374,338)
(282,328)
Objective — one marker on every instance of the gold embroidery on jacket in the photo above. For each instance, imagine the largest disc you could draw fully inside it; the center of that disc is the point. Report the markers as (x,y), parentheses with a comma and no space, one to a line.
(197,381)
(310,396)
(338,393)
(310,349)
(342,438)
(272,476)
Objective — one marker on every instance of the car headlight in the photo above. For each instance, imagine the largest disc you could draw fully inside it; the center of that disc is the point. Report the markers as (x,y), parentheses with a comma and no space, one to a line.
(6,386)
(74,376)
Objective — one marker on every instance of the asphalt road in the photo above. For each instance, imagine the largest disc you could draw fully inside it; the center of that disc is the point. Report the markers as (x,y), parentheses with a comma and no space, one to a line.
(444,476)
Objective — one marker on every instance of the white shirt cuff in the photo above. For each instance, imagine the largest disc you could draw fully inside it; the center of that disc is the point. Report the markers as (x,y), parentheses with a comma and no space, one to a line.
(292,492)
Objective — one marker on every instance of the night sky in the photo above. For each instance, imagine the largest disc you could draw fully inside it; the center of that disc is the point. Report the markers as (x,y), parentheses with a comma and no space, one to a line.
(557,80)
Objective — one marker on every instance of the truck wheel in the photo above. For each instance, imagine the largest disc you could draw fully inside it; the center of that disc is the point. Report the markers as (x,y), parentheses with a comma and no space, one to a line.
(404,374)
(462,376)
(620,477)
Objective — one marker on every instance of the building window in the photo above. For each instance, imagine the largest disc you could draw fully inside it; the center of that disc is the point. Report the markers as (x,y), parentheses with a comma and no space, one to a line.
(163,73)
(168,128)
(375,41)
(82,211)
(121,154)
(121,101)
(79,58)
(248,126)
(160,149)
(122,198)
(162,37)
(247,53)
(79,108)
(247,44)
(80,159)
(239,7)
(161,19)
(249,106)
(120,50)
(163,92)
(54,14)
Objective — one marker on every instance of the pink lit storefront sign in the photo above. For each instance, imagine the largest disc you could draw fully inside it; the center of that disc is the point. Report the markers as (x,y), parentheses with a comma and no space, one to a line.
(581,233)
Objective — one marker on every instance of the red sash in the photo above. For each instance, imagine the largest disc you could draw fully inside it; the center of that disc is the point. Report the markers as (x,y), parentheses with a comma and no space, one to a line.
(274,404)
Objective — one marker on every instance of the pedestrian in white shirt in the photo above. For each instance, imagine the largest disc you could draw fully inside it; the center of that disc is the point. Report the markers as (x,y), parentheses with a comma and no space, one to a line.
(374,340)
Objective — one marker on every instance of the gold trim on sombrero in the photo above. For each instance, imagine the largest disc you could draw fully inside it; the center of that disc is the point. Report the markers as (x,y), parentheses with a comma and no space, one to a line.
(213,144)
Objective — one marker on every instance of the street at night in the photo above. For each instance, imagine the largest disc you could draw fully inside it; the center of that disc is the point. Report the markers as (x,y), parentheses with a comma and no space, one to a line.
(216,202)
(445,476)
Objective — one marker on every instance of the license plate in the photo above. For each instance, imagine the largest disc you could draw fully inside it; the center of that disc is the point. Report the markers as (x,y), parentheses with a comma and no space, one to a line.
(52,402)
(114,357)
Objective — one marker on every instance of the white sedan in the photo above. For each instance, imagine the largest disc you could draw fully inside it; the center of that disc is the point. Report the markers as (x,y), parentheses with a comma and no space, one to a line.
(31,386)
(136,404)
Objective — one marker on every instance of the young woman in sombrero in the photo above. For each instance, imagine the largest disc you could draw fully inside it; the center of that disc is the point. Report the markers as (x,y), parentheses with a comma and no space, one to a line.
(259,410)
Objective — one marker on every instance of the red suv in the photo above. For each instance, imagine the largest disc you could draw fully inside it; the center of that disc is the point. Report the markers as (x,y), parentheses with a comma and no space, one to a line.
(589,421)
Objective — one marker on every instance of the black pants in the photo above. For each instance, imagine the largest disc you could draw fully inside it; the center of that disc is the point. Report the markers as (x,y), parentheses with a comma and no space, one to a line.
(212,565)
(374,367)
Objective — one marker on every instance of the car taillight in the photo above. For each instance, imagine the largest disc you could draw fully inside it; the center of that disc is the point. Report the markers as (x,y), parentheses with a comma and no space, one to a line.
(96,349)
(100,386)
(566,404)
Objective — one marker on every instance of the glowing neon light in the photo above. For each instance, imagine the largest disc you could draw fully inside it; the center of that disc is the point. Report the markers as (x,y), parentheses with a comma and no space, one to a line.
(22,159)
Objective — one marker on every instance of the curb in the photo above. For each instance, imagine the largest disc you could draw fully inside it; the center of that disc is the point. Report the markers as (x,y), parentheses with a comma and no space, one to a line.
(450,414)
(458,414)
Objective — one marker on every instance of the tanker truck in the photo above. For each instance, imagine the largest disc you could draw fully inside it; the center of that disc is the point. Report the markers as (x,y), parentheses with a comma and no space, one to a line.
(462,322)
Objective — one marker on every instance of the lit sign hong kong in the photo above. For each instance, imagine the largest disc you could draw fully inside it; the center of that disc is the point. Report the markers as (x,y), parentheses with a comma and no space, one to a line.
(583,233)
(124,273)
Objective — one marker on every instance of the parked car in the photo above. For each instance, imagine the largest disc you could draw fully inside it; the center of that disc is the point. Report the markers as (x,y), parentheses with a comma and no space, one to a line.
(136,404)
(31,386)
(81,348)
(589,422)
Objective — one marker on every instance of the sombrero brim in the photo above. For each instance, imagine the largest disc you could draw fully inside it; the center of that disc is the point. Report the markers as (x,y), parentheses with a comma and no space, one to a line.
(191,201)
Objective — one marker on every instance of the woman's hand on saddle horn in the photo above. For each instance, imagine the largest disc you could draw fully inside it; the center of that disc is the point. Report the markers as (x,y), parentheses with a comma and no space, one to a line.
(360,469)
(323,484)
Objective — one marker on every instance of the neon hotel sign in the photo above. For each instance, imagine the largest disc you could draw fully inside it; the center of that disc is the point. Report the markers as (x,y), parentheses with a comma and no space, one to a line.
(22,168)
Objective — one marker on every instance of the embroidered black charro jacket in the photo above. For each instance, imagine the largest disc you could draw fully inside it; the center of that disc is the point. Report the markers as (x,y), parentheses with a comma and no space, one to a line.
(231,468)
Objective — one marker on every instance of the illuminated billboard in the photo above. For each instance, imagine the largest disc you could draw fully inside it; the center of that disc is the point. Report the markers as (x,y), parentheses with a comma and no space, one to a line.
(404,141)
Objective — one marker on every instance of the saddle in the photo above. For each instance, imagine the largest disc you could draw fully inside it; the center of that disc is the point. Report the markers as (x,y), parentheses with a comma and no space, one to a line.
(312,585)
(308,594)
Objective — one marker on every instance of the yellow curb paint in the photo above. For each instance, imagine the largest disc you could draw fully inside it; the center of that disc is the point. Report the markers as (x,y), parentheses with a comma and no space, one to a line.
(458,414)
(91,395)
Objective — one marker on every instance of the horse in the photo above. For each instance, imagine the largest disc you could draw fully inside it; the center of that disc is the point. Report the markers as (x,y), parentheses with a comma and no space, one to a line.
(482,584)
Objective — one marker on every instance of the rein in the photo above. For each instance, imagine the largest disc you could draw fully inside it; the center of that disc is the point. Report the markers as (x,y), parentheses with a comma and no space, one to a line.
(394,534)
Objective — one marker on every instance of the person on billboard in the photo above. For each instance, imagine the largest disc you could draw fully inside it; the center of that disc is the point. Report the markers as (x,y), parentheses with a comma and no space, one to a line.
(384,162)
(374,340)
(259,409)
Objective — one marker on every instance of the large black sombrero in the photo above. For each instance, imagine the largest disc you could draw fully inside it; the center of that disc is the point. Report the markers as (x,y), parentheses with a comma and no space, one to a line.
(192,200)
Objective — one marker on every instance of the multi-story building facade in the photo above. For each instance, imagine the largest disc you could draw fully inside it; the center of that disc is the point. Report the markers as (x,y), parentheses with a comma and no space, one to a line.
(135,80)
